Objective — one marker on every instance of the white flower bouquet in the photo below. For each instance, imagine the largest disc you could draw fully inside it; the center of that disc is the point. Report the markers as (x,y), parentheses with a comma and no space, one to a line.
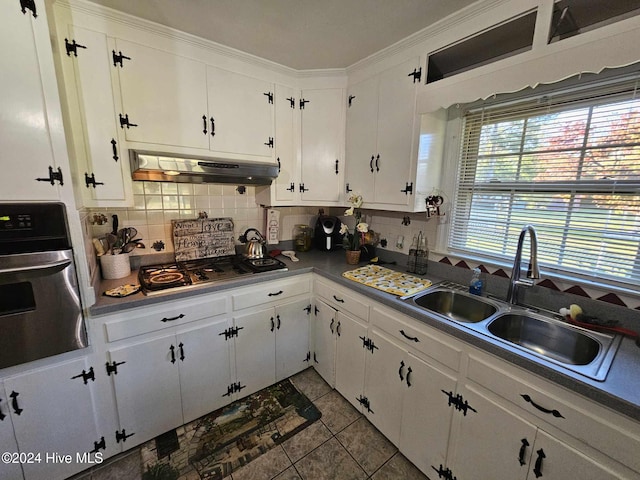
(353,240)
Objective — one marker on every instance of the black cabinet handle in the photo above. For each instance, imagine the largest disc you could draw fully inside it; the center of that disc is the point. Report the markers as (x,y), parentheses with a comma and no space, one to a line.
(523,451)
(14,403)
(204,124)
(413,339)
(279,292)
(537,469)
(331,325)
(181,347)
(409,376)
(338,328)
(400,374)
(339,300)
(371,163)
(337,163)
(278,325)
(528,399)
(173,354)
(115,149)
(377,160)
(171,319)
(213,126)
(2,415)
(272,324)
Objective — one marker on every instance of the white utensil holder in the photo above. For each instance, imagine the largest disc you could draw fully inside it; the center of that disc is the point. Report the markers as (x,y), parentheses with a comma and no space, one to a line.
(115,266)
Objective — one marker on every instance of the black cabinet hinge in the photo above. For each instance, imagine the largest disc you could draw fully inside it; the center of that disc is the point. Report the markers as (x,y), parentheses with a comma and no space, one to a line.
(230,332)
(101,445)
(113,367)
(90,180)
(86,376)
(315,358)
(307,309)
(303,102)
(269,143)
(54,176)
(408,189)
(292,187)
(118,58)
(122,436)
(368,344)
(348,189)
(308,357)
(302,189)
(29,4)
(459,403)
(444,473)
(233,388)
(269,96)
(124,121)
(364,401)
(416,74)
(351,97)
(72,47)
(292,102)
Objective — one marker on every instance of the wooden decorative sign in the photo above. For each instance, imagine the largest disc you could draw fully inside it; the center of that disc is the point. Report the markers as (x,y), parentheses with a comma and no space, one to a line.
(203,238)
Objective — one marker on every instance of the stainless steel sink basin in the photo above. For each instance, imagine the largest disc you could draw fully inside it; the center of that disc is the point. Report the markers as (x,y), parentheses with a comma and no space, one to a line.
(456,305)
(550,339)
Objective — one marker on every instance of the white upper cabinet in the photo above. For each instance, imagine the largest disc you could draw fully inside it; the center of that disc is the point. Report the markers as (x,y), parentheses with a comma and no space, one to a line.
(382,140)
(101,163)
(241,114)
(284,189)
(164,97)
(25,141)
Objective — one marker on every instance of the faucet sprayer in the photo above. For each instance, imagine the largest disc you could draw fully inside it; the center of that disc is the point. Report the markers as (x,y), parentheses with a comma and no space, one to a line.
(533,271)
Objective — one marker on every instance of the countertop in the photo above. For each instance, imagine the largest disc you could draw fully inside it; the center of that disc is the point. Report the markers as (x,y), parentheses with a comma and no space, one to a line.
(619,392)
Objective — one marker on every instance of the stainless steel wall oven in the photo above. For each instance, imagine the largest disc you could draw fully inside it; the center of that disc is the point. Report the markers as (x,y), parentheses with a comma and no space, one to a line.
(40,309)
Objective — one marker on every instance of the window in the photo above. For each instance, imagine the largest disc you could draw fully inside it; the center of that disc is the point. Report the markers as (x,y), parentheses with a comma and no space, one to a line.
(567,163)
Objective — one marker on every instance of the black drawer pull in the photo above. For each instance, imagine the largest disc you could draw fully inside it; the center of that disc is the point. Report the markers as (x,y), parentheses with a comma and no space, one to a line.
(165,319)
(523,450)
(339,300)
(413,339)
(279,292)
(537,469)
(554,412)
(14,403)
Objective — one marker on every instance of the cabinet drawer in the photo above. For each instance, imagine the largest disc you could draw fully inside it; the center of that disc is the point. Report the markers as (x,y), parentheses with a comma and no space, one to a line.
(150,319)
(268,292)
(416,336)
(596,426)
(339,299)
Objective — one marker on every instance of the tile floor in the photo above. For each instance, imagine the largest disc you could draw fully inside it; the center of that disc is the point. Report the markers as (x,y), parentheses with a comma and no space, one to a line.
(342,445)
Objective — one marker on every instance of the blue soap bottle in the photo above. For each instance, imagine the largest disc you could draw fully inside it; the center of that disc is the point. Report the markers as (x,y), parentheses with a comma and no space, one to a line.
(476,284)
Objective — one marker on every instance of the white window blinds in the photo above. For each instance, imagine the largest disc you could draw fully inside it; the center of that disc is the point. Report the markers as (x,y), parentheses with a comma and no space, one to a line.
(569,164)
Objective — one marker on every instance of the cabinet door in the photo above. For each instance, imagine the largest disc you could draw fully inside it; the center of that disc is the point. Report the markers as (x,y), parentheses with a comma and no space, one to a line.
(286,183)
(322,139)
(292,338)
(56,415)
(165,96)
(99,153)
(361,147)
(491,442)
(350,358)
(396,117)
(255,351)
(24,133)
(242,114)
(324,348)
(205,369)
(383,385)
(426,415)
(147,388)
(552,459)
(7,438)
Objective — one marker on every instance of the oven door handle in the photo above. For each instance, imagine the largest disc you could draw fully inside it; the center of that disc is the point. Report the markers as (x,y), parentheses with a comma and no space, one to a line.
(57,266)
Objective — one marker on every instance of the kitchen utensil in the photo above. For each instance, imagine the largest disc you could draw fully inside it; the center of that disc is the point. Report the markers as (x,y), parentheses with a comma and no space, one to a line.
(256,246)
(291,255)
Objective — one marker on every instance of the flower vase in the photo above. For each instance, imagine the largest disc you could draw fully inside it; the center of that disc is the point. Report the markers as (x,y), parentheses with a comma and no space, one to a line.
(353,257)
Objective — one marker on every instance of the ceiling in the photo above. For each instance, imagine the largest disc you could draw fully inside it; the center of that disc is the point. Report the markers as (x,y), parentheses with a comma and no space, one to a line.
(300,34)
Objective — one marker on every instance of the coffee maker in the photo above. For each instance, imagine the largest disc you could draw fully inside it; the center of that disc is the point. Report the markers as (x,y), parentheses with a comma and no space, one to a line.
(327,235)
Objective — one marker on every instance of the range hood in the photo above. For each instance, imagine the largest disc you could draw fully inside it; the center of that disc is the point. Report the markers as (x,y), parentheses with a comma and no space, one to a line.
(163,167)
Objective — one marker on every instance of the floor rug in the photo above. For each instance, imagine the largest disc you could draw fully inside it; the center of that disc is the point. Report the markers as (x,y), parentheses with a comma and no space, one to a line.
(223,441)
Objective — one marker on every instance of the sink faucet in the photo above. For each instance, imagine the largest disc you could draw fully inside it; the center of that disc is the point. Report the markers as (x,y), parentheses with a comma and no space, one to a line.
(532,272)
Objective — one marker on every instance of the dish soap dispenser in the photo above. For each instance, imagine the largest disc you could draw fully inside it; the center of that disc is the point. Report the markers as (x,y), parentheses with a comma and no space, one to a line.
(476,284)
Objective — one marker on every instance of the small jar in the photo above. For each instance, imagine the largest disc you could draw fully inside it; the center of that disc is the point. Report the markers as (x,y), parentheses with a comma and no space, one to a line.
(302,236)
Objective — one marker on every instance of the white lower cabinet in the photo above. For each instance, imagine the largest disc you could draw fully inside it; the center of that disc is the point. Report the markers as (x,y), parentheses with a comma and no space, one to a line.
(52,410)
(496,442)
(324,342)
(163,382)
(351,353)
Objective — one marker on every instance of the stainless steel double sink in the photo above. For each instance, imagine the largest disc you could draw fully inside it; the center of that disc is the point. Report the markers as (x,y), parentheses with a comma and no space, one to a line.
(522,330)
